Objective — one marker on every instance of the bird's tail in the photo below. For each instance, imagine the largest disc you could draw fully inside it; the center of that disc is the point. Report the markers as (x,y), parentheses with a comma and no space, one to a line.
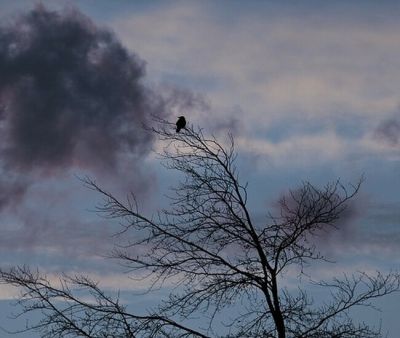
(178,129)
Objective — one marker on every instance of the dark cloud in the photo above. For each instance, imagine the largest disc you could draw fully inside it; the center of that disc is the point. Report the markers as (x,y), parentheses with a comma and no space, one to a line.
(71,96)
(70,92)
(389,131)
(72,101)
(328,237)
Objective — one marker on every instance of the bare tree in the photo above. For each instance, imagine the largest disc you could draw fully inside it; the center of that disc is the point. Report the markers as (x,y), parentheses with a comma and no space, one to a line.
(216,254)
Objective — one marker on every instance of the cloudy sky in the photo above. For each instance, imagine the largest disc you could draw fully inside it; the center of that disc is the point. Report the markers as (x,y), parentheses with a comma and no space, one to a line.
(311,91)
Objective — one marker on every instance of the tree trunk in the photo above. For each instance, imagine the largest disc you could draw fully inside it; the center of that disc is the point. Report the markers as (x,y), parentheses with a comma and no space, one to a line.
(280,324)
(278,318)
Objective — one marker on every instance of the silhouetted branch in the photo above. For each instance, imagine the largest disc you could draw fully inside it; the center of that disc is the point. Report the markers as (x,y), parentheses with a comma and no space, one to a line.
(210,248)
(66,313)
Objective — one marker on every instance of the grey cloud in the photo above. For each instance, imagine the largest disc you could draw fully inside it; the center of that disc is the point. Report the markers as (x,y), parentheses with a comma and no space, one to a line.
(232,123)
(338,231)
(197,109)
(12,191)
(385,215)
(72,93)
(389,131)
(369,228)
(72,100)
(71,96)
(179,100)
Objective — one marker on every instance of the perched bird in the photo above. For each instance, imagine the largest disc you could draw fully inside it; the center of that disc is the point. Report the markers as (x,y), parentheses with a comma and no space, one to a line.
(181,123)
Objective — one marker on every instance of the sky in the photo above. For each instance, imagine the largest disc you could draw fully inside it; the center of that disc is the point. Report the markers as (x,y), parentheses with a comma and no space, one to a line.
(310,91)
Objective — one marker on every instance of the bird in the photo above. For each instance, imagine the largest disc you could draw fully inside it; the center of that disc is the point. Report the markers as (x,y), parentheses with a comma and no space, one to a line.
(181,123)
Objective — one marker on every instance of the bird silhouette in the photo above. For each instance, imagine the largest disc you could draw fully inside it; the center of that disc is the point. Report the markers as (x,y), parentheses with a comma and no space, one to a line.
(181,123)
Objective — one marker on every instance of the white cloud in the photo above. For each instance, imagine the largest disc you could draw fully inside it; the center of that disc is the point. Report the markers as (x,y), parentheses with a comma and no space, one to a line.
(109,282)
(300,150)
(308,149)
(8,292)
